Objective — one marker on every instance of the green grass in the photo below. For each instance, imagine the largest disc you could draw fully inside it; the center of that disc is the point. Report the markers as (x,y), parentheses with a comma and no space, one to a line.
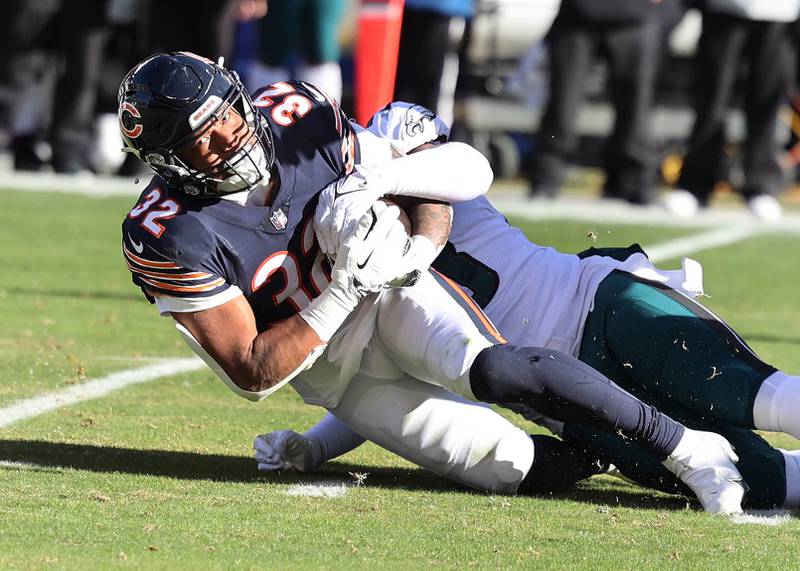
(160,475)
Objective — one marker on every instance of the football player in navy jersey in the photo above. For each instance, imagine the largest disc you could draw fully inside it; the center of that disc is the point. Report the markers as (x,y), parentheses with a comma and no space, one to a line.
(222,240)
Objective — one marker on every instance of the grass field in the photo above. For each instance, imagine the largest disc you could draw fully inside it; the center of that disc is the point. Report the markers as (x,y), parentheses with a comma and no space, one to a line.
(160,474)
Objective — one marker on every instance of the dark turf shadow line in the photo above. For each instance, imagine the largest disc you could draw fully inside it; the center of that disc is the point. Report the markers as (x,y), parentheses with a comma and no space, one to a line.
(76,294)
(227,468)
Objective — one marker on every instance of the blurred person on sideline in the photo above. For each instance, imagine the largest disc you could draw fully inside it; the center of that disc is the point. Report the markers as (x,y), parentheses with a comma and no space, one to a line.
(753,35)
(631,37)
(300,39)
(427,65)
(45,41)
(205,27)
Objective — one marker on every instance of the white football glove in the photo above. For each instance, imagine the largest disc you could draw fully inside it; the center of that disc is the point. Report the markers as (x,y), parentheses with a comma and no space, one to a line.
(408,126)
(368,259)
(342,204)
(366,262)
(284,449)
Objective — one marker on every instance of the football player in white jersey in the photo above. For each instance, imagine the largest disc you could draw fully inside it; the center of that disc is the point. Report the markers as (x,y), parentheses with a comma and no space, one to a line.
(637,333)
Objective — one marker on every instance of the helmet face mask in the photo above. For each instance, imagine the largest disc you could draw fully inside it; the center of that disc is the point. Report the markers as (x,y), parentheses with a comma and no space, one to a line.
(169,101)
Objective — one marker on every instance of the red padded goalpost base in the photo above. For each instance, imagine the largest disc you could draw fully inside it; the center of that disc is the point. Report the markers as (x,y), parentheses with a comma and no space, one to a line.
(377,45)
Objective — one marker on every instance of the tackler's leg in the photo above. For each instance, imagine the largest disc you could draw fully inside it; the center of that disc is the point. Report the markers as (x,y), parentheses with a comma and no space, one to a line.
(462,440)
(436,335)
(770,475)
(653,340)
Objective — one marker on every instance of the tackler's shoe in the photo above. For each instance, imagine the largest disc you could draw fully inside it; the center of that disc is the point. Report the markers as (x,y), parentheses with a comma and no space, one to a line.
(706,463)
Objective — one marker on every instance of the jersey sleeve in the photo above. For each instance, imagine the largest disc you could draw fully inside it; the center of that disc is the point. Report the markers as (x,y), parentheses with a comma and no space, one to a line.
(177,279)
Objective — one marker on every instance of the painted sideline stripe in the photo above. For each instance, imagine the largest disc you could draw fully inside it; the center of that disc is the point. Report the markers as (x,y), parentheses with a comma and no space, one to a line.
(94,389)
(702,241)
(596,211)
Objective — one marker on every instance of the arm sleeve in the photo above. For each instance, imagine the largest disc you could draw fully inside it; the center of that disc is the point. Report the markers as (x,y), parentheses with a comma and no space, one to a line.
(453,172)
(331,438)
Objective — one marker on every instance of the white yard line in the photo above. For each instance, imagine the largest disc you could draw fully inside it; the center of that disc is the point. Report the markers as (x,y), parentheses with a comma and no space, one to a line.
(319,490)
(595,211)
(713,238)
(770,518)
(13,465)
(94,389)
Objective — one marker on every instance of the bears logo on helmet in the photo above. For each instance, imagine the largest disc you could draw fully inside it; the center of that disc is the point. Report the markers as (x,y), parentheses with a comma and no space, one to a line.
(127,120)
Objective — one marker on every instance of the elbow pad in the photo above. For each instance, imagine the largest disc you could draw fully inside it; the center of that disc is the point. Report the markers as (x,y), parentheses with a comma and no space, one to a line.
(253,396)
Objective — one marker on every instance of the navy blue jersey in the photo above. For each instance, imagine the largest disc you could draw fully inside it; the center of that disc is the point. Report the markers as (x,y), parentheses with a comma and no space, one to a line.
(200,248)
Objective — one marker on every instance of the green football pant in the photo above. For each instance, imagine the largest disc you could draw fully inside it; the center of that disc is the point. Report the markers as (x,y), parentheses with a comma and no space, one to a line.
(676,355)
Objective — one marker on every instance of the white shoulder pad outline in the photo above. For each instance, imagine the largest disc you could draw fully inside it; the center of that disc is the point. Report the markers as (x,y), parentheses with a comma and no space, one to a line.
(253,396)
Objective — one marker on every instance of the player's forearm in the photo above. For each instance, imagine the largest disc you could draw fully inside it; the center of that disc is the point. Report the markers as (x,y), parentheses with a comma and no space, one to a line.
(429,218)
(256,363)
(330,438)
(276,354)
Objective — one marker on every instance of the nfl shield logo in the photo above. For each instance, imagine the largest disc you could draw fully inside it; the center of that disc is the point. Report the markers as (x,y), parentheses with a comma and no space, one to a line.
(278,219)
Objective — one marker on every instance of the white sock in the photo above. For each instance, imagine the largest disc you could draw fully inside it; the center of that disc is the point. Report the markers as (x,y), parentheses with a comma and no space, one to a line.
(330,438)
(687,445)
(327,76)
(792,458)
(777,404)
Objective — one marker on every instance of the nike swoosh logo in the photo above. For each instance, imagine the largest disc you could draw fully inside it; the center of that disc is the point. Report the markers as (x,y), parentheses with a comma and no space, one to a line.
(364,265)
(139,247)
(362,185)
(371,228)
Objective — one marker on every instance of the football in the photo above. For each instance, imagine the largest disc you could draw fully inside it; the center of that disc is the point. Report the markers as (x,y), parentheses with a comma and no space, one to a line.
(404,219)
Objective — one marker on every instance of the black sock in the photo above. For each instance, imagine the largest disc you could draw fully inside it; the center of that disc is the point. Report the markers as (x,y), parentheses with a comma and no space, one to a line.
(562,387)
(556,466)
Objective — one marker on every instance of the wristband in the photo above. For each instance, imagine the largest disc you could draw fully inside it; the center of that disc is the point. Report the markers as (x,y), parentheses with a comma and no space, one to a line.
(328,310)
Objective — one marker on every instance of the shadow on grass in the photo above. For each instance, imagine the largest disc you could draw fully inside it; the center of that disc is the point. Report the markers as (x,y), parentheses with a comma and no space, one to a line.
(227,468)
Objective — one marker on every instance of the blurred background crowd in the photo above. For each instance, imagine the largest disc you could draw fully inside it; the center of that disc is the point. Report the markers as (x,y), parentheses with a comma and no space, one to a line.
(679,103)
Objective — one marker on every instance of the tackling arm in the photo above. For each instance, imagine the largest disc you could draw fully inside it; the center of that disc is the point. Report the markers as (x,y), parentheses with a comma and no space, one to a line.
(448,171)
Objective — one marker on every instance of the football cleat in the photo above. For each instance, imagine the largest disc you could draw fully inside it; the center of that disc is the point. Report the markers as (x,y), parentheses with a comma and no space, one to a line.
(706,463)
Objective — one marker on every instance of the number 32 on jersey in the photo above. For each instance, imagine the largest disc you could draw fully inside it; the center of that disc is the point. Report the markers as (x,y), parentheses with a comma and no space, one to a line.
(292,106)
(165,210)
